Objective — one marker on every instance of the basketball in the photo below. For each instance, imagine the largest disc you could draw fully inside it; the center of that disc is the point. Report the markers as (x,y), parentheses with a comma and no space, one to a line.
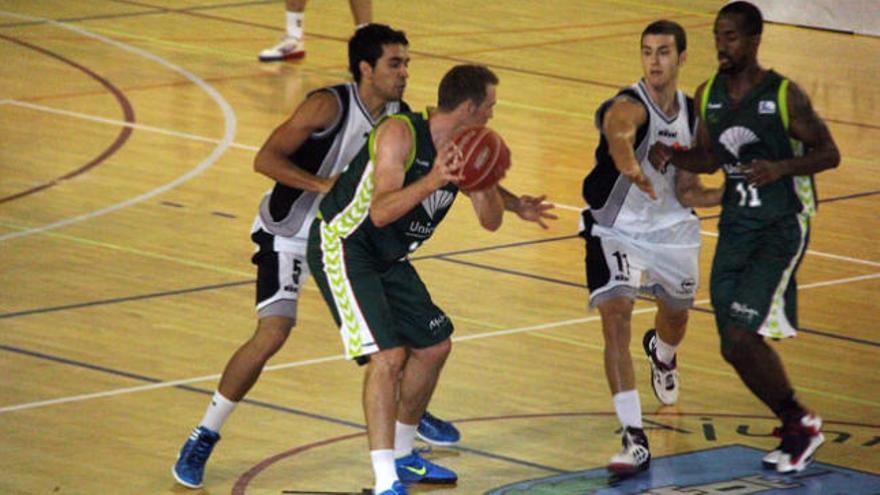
(485,158)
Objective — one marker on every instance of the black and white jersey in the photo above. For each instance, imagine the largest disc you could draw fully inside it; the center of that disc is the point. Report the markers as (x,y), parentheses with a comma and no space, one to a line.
(613,201)
(288,212)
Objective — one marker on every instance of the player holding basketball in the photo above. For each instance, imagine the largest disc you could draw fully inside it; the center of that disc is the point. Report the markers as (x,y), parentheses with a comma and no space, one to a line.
(763,132)
(641,232)
(384,206)
(304,155)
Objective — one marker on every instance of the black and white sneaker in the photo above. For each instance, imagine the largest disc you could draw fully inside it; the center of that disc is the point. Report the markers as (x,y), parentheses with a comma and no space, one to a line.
(664,377)
(634,457)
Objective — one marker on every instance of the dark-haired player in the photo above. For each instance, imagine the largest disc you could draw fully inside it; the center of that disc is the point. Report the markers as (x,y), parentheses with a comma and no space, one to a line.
(761,129)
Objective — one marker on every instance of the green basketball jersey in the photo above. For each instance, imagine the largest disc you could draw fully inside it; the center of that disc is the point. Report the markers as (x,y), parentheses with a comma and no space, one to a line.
(345,210)
(756,129)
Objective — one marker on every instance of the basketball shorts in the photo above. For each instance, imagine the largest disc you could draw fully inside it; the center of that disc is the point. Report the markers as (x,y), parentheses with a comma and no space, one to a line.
(282,270)
(377,305)
(664,264)
(753,276)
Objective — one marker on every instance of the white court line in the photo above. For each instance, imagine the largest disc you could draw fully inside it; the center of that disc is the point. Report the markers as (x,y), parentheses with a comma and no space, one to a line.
(809,251)
(229,121)
(341,357)
(122,123)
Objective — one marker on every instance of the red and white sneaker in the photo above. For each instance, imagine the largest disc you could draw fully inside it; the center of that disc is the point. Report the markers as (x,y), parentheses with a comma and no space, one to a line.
(634,456)
(799,443)
(286,49)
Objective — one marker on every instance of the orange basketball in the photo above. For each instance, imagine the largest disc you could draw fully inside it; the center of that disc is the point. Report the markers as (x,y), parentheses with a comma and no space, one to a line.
(485,156)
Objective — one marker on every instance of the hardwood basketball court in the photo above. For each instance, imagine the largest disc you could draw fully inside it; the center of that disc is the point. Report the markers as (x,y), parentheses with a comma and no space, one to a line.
(128,133)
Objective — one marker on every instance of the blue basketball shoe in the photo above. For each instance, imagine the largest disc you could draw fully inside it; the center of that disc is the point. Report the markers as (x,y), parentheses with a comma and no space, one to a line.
(189,470)
(436,431)
(396,489)
(415,469)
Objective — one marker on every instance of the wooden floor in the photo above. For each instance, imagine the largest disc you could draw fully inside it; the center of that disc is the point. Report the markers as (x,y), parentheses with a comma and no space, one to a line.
(128,130)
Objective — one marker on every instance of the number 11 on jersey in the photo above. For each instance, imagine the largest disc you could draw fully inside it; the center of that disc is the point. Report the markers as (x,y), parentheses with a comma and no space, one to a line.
(749,194)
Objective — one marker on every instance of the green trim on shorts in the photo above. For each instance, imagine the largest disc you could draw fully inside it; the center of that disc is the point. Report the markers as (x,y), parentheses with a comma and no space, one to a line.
(803,184)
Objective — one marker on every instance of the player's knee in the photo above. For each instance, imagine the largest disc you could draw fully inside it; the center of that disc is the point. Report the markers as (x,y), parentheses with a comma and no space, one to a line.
(271,334)
(736,345)
(388,362)
(435,353)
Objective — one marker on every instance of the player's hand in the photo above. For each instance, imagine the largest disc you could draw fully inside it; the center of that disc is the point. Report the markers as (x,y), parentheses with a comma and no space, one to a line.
(642,182)
(761,172)
(448,165)
(660,155)
(327,183)
(532,209)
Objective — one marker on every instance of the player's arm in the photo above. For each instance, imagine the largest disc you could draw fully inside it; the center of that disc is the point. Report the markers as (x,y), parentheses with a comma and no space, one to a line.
(318,112)
(820,151)
(691,192)
(619,126)
(489,207)
(391,200)
(528,208)
(698,159)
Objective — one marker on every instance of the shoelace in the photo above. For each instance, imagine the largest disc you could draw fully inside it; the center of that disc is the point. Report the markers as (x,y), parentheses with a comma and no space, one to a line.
(201,450)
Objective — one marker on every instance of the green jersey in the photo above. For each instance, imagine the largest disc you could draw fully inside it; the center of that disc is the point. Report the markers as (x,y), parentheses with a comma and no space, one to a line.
(345,210)
(756,128)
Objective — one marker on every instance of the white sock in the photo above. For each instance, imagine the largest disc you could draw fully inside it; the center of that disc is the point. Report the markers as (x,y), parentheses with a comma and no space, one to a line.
(218,410)
(404,438)
(295,24)
(665,352)
(384,469)
(628,408)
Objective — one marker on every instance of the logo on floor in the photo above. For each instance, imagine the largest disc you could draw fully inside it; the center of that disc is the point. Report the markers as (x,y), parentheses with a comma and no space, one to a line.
(728,470)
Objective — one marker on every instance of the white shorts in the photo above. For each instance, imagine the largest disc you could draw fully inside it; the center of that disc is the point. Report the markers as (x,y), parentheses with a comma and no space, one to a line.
(280,275)
(664,264)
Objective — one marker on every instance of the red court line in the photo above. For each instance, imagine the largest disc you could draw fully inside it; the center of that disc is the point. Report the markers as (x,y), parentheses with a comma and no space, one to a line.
(120,140)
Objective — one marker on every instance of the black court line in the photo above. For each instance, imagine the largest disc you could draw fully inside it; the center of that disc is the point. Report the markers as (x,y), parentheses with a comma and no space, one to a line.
(582,286)
(124,299)
(256,403)
(155,9)
(190,388)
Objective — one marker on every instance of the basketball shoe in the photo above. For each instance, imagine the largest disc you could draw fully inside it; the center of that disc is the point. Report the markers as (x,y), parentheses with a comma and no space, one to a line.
(288,48)
(664,377)
(189,470)
(415,469)
(634,456)
(396,489)
(800,440)
(436,431)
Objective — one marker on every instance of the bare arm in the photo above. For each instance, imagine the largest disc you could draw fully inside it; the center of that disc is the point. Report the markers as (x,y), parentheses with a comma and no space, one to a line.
(489,207)
(691,192)
(273,159)
(391,200)
(820,151)
(619,126)
(698,159)
(529,208)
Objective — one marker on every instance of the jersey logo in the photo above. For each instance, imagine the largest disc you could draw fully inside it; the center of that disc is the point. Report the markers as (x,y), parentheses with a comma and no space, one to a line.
(766,107)
(423,163)
(714,106)
(734,138)
(667,133)
(438,200)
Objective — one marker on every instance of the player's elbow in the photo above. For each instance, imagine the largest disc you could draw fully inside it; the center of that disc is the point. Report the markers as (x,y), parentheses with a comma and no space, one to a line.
(379,218)
(491,222)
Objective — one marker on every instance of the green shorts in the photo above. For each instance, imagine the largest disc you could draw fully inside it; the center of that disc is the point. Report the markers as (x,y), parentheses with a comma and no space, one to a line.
(753,276)
(377,305)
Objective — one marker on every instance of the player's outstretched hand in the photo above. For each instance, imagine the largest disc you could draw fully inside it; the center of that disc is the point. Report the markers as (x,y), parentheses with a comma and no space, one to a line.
(660,155)
(536,210)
